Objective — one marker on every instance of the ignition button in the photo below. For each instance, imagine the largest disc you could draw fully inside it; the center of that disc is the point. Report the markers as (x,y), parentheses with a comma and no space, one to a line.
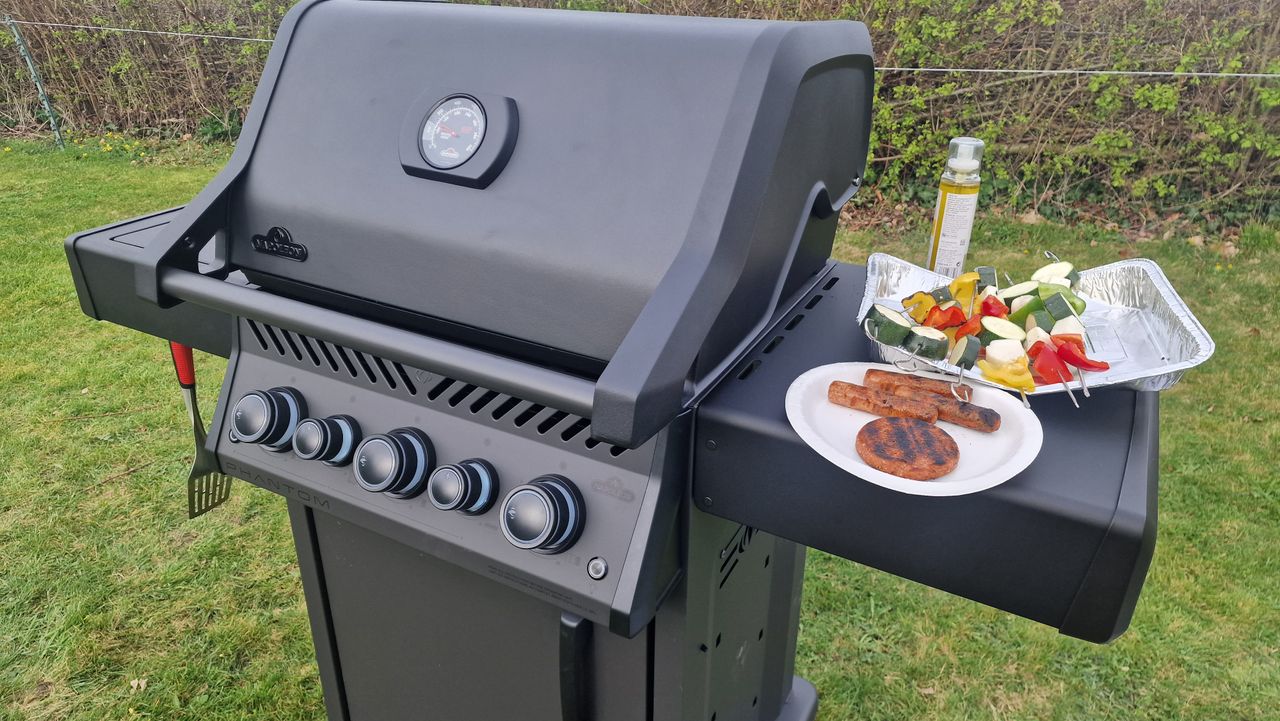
(597,568)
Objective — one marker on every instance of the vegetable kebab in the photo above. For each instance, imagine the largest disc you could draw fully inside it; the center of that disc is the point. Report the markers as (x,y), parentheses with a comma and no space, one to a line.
(1022,336)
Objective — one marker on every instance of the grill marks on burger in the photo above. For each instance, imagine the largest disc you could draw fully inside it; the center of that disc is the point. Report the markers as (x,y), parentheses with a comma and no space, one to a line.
(908,448)
(904,442)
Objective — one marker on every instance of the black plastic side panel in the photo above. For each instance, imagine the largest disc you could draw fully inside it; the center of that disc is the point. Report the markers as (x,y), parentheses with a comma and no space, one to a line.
(103,263)
(1104,605)
(1066,542)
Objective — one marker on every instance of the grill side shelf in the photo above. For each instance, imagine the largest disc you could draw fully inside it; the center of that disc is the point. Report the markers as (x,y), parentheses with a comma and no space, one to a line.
(1065,543)
(103,262)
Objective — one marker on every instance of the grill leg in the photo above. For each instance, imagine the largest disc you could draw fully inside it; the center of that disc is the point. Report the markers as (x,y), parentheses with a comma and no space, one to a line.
(725,641)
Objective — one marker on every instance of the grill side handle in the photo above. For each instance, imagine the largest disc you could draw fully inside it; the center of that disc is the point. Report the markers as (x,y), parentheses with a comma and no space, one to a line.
(644,385)
(557,390)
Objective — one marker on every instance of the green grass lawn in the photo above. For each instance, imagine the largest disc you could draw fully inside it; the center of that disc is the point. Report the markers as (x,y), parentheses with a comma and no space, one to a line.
(104,584)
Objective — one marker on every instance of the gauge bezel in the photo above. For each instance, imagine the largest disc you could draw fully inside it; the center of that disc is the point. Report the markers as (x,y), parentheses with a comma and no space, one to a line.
(502,124)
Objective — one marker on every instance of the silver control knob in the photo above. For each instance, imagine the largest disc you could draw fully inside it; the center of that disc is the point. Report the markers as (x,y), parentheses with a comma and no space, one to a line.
(396,463)
(268,418)
(545,515)
(330,440)
(469,487)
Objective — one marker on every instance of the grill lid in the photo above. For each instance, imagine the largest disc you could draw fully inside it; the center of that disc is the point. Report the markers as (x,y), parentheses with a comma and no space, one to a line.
(637,190)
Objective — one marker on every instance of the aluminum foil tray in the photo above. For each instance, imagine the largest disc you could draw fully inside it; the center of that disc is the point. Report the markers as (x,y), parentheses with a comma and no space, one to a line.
(1134,319)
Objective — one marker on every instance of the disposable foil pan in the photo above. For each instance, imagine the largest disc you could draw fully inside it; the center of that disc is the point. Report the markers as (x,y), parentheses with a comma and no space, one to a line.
(1133,318)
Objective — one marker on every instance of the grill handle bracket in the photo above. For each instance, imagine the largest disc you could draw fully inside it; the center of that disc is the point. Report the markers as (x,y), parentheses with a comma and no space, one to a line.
(557,390)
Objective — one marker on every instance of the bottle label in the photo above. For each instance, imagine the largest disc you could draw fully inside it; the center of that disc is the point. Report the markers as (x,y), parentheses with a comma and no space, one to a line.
(951,232)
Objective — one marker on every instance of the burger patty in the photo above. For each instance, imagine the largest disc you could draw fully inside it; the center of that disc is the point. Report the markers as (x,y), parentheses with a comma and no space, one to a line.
(907,448)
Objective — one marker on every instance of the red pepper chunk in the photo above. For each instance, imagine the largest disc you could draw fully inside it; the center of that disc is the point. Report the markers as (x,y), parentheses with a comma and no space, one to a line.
(1048,366)
(1071,354)
(993,306)
(943,319)
(973,326)
(1072,338)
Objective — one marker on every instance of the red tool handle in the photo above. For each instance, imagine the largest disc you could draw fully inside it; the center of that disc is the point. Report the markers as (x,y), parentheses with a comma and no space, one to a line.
(183,363)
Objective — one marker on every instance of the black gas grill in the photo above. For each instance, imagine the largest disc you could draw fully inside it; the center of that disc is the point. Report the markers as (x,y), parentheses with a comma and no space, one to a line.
(511,299)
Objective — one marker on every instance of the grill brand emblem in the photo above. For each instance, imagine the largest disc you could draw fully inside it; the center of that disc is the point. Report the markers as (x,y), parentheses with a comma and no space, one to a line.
(613,487)
(278,242)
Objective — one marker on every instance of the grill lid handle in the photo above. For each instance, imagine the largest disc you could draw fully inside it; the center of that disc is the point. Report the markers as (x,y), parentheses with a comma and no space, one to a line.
(551,388)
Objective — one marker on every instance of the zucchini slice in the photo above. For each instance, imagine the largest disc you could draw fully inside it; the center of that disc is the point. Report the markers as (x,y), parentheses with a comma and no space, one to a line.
(994,329)
(941,294)
(1005,351)
(965,354)
(1021,289)
(989,291)
(1053,270)
(1040,319)
(926,342)
(1023,307)
(987,276)
(1058,306)
(887,325)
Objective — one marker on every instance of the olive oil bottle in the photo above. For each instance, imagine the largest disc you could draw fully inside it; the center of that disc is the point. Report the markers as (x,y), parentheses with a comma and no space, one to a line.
(957,204)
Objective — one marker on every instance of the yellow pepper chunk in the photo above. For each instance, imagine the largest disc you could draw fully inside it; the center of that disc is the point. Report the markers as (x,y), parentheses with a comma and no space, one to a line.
(1016,375)
(918,305)
(964,290)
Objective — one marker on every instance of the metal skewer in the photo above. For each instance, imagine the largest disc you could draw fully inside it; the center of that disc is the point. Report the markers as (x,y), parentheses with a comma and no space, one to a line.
(1067,388)
(1084,387)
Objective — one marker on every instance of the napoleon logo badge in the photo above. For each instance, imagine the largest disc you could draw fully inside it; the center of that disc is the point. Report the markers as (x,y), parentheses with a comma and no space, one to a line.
(278,242)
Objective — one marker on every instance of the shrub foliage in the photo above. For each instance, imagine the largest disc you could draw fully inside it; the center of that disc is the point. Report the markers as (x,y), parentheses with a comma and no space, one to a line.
(1075,144)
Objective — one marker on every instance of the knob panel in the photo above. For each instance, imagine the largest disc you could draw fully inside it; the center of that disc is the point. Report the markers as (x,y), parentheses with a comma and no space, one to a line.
(268,418)
(545,515)
(396,463)
(330,440)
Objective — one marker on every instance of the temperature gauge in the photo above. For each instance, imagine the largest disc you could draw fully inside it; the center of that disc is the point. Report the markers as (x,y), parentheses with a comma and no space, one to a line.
(452,132)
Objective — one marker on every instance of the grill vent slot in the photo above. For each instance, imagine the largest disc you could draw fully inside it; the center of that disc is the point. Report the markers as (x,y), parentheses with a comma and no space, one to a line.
(551,422)
(498,408)
(346,360)
(505,407)
(528,414)
(439,389)
(288,339)
(306,343)
(485,399)
(274,340)
(747,369)
(461,395)
(364,365)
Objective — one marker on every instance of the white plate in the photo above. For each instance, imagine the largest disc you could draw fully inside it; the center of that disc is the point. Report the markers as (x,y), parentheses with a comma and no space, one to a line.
(986,459)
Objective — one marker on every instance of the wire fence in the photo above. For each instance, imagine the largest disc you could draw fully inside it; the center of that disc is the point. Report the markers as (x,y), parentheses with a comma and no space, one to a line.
(1118,103)
(984,71)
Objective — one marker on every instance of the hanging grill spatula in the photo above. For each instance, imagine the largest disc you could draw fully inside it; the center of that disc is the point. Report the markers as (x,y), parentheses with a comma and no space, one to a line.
(207,486)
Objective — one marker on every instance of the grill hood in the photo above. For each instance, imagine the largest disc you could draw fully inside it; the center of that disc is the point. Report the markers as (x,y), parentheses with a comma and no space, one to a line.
(648,190)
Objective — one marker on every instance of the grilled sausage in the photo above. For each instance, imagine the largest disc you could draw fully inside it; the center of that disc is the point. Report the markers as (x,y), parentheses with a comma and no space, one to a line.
(860,398)
(907,448)
(967,415)
(887,381)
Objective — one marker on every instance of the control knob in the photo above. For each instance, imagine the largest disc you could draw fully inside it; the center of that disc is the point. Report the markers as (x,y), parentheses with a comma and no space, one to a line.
(330,440)
(396,463)
(268,418)
(469,486)
(545,515)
